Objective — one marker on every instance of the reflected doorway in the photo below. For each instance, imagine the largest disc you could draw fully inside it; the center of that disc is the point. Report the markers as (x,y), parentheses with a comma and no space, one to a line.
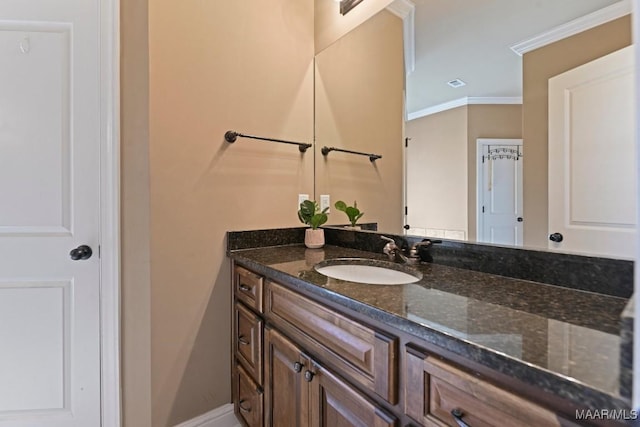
(499,191)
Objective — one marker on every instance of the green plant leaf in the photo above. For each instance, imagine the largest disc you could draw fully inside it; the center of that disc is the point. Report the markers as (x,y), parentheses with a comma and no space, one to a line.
(309,214)
(318,219)
(307,209)
(353,213)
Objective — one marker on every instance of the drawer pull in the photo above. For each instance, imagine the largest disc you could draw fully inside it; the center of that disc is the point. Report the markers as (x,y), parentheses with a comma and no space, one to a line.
(245,288)
(297,367)
(243,408)
(457,416)
(308,376)
(242,340)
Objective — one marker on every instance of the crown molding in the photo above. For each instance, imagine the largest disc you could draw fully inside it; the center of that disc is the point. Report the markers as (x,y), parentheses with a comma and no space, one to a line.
(406,10)
(586,22)
(467,100)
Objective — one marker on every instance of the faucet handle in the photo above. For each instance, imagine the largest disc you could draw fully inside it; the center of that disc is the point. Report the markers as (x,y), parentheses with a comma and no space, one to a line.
(388,239)
(390,248)
(421,249)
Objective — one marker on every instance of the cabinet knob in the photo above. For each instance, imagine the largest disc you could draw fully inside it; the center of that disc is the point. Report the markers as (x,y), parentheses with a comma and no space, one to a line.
(457,417)
(244,287)
(308,376)
(242,340)
(297,367)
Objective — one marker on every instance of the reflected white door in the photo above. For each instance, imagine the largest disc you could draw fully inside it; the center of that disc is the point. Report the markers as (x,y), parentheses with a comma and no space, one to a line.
(592,178)
(49,205)
(500,191)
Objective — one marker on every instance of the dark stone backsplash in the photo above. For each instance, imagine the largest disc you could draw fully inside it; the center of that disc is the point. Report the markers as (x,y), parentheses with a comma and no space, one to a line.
(594,274)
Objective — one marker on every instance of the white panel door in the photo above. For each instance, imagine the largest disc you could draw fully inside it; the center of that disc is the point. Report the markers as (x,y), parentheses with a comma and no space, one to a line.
(592,177)
(49,205)
(500,191)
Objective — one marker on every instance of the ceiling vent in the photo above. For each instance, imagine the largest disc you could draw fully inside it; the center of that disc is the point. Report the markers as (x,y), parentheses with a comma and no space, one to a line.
(455,83)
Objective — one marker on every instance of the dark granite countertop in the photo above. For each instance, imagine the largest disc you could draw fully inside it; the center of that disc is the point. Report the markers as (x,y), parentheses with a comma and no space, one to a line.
(565,341)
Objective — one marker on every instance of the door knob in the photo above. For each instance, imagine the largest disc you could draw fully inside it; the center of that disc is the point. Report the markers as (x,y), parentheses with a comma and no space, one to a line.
(520,219)
(556,237)
(82,252)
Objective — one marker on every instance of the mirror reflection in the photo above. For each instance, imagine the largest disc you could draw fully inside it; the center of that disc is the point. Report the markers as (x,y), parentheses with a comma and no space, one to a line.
(469,109)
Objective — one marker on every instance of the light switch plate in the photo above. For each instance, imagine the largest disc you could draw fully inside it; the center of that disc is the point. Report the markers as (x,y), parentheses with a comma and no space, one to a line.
(301,198)
(325,202)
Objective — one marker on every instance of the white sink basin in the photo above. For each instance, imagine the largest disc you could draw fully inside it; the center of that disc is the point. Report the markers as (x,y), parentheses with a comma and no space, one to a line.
(362,270)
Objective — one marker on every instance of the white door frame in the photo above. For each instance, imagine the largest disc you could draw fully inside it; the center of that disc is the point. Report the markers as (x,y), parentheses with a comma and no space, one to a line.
(480,144)
(110,214)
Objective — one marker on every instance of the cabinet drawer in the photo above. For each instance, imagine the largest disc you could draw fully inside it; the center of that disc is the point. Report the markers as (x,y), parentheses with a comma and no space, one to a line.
(248,400)
(436,390)
(248,341)
(364,355)
(248,288)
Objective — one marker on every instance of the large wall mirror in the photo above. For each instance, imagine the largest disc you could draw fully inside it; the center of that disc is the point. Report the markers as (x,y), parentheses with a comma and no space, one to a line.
(519,108)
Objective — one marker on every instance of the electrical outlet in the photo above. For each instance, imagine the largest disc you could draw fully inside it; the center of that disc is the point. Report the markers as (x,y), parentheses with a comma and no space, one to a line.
(301,198)
(325,202)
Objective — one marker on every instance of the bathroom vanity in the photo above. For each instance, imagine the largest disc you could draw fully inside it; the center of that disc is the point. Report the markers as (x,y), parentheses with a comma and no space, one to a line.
(458,347)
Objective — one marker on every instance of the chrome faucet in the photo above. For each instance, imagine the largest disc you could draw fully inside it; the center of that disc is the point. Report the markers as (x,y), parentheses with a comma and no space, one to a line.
(394,252)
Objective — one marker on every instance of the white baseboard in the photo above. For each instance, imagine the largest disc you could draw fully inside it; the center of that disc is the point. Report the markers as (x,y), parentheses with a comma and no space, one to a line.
(219,417)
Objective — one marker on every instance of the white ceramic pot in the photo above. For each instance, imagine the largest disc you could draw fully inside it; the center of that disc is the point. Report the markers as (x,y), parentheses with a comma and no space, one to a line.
(314,239)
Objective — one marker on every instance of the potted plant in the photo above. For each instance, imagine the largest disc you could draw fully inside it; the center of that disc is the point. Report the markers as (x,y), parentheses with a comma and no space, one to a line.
(310,214)
(353,213)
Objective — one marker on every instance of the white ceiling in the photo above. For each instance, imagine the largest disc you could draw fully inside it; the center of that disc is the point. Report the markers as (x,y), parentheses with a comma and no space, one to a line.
(471,40)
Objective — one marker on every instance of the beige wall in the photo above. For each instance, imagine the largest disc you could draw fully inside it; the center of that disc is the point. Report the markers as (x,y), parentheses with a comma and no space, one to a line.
(538,66)
(246,66)
(488,121)
(447,156)
(437,170)
(135,257)
(330,25)
(359,84)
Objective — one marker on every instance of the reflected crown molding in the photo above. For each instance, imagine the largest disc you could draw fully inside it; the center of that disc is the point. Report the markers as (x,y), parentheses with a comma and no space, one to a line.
(591,20)
(467,100)
(406,10)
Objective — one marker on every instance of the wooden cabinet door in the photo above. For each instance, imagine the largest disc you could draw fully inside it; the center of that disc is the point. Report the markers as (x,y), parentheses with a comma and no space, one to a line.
(247,341)
(247,399)
(287,392)
(334,403)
